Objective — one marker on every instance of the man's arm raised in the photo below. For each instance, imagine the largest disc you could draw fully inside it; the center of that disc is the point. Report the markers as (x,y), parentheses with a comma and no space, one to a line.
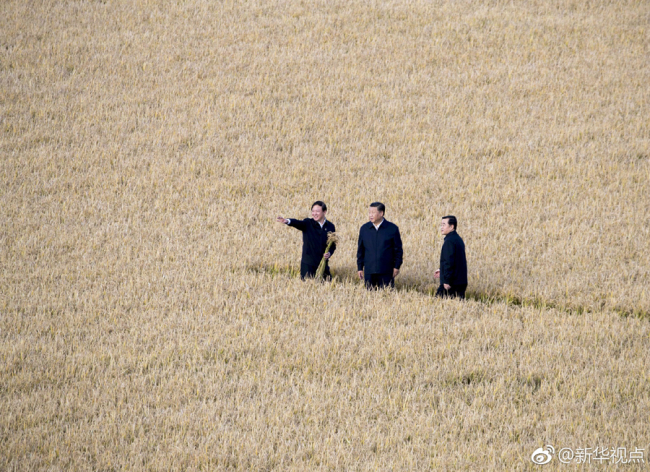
(298,224)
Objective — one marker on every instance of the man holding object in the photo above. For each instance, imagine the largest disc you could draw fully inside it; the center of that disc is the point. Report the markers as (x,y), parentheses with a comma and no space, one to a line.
(314,239)
(453,264)
(379,255)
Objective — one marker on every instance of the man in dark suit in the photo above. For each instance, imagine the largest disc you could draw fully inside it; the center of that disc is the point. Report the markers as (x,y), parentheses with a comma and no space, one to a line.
(379,255)
(314,239)
(453,264)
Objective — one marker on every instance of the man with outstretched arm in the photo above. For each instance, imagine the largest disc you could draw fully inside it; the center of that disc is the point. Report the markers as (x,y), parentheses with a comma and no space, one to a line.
(380,254)
(453,264)
(314,239)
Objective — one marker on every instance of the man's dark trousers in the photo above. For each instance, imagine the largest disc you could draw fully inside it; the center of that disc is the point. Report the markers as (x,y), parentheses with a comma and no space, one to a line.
(453,292)
(379,280)
(309,271)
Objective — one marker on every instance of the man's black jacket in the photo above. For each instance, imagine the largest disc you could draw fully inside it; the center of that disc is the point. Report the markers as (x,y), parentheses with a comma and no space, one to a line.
(314,239)
(380,250)
(453,265)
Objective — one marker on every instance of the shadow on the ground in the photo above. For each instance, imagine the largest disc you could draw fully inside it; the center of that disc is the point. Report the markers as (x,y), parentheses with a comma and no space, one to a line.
(348,274)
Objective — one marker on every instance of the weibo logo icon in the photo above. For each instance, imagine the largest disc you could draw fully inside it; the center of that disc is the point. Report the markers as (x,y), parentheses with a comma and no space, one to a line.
(542,455)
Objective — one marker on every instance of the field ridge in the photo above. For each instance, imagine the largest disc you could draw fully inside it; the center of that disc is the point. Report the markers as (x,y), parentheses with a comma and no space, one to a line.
(428,288)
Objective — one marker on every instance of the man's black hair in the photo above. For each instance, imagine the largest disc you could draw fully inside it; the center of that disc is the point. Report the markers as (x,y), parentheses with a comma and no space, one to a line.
(452,221)
(320,204)
(378,206)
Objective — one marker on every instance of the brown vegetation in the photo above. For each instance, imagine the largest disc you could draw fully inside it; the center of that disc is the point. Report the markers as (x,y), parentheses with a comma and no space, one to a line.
(145,148)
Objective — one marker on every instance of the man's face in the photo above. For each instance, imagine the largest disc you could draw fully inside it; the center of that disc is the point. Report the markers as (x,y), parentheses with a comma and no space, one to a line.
(445,227)
(375,215)
(317,213)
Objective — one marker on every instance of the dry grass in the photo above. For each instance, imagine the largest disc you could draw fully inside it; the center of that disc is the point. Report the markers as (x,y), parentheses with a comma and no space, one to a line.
(145,148)
(340,378)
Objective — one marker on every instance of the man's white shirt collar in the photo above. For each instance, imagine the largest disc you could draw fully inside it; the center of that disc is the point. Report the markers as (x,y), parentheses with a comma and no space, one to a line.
(377,226)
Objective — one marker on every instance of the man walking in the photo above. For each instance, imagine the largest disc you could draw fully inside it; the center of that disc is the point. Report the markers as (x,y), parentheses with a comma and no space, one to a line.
(453,264)
(314,239)
(379,255)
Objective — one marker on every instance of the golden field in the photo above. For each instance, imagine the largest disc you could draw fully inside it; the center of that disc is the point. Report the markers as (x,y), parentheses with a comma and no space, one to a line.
(150,316)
